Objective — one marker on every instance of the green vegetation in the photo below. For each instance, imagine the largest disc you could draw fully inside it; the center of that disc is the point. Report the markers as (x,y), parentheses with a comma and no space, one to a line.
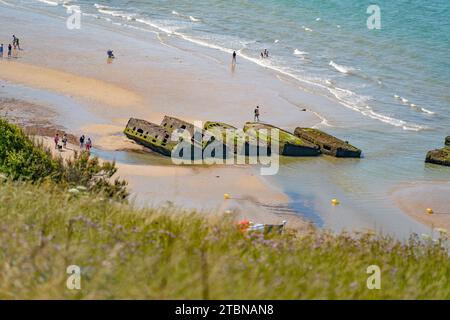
(20,158)
(166,253)
(24,159)
(169,254)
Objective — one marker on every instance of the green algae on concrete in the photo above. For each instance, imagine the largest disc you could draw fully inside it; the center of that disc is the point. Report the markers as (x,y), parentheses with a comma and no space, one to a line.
(328,144)
(289,145)
(150,135)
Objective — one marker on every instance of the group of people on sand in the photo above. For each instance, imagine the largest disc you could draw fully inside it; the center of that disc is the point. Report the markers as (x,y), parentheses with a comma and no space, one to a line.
(61,142)
(57,139)
(85,144)
(12,49)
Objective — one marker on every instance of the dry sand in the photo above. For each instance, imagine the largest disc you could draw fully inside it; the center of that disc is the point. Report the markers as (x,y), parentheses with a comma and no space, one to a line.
(67,84)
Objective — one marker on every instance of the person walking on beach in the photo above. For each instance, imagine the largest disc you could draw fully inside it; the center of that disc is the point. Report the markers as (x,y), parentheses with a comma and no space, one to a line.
(64,141)
(9,50)
(234,57)
(88,145)
(17,44)
(82,142)
(256,114)
(56,139)
(1,50)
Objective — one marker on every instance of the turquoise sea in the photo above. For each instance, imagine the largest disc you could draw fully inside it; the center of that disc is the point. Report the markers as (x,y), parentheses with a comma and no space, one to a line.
(397,78)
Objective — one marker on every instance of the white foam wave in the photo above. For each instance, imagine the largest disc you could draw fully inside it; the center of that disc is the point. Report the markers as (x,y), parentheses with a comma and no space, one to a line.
(300,53)
(115,12)
(317,19)
(413,105)
(50,3)
(427,111)
(307,29)
(175,13)
(344,96)
(6,3)
(194,19)
(276,41)
(341,68)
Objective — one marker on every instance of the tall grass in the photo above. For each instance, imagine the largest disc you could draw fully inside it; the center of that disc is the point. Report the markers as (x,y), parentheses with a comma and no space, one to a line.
(170,254)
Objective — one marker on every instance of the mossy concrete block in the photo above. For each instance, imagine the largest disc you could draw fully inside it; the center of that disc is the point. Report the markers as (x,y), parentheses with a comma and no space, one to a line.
(328,144)
(439,156)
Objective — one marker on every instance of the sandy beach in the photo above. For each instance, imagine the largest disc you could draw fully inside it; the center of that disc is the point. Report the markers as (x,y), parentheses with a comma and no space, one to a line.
(415,198)
(62,79)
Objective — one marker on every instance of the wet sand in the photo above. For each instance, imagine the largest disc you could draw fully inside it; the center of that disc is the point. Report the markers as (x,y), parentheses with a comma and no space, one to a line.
(415,198)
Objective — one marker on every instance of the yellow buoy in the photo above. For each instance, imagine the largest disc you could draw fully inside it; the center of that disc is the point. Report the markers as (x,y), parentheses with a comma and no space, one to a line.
(334,202)
(430,211)
(226,196)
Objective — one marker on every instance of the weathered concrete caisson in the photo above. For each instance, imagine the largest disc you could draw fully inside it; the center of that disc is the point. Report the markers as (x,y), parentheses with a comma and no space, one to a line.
(221,140)
(289,145)
(172,124)
(149,135)
(158,138)
(328,144)
(440,156)
(236,140)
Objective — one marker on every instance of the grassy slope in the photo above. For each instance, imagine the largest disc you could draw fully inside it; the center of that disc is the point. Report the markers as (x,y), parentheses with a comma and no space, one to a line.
(127,253)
